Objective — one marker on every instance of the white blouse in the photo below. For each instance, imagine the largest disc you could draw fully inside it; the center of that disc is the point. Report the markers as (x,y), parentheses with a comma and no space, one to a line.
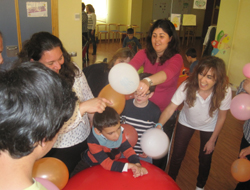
(77,128)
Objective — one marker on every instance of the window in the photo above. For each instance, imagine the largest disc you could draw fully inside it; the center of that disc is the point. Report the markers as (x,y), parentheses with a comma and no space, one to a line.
(100,7)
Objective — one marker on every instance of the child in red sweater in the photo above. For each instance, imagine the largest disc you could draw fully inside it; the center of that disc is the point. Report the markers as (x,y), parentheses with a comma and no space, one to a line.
(106,142)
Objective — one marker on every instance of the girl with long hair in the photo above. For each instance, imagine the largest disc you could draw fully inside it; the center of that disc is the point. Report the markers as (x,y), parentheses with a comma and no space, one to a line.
(207,97)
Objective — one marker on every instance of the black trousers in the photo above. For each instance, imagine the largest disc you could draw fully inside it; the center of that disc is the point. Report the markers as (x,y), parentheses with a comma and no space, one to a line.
(92,37)
(183,135)
(82,165)
(69,156)
(168,128)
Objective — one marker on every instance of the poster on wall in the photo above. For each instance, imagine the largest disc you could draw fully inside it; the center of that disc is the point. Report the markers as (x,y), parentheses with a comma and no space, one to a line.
(176,20)
(200,4)
(36,9)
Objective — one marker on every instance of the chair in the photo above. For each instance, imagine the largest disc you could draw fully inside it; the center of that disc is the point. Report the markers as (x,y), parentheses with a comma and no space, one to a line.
(137,32)
(122,30)
(102,29)
(113,28)
(189,27)
(189,32)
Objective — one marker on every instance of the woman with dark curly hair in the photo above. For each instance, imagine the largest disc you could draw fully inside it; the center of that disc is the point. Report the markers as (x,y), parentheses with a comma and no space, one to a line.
(207,97)
(162,59)
(48,49)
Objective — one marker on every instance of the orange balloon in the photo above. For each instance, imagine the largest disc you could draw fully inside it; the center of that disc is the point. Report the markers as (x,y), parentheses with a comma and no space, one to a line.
(130,134)
(240,170)
(129,96)
(53,170)
(118,99)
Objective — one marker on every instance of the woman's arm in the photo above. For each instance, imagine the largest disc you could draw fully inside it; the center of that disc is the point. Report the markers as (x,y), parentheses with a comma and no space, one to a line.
(209,146)
(172,68)
(93,105)
(167,113)
(157,78)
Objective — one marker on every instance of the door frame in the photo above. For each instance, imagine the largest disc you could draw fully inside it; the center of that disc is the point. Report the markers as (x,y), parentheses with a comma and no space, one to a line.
(54,19)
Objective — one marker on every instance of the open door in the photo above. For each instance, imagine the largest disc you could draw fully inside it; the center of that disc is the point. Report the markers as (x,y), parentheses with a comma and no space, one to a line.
(17,27)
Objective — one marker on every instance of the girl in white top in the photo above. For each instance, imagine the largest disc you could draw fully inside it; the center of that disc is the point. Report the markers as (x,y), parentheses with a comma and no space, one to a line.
(207,97)
(71,142)
(91,25)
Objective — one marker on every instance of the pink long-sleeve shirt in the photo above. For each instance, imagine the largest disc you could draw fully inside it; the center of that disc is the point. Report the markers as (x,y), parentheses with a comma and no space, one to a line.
(164,91)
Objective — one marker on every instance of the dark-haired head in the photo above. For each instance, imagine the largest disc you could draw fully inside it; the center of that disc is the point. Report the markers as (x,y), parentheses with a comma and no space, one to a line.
(173,46)
(41,42)
(191,52)
(35,102)
(130,31)
(83,6)
(108,118)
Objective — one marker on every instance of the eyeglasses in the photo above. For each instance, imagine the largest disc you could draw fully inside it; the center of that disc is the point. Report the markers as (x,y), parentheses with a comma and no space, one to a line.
(141,95)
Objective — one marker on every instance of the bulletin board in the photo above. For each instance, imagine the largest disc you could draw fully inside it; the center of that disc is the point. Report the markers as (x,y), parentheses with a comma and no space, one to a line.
(163,8)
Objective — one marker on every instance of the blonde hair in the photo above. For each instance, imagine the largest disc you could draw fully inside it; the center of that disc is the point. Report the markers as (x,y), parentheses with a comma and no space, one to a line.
(121,53)
(90,8)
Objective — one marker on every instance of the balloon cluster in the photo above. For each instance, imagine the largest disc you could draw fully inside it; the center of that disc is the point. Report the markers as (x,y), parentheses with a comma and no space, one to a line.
(123,81)
(240,170)
(52,173)
(240,105)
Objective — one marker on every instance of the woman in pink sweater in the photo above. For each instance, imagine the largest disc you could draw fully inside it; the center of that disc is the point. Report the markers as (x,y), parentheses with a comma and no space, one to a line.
(162,59)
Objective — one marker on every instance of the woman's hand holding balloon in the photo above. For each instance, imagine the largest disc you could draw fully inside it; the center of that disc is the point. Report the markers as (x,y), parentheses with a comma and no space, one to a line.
(94,105)
(143,87)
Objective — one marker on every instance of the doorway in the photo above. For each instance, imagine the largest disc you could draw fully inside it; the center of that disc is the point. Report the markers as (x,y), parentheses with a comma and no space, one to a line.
(17,27)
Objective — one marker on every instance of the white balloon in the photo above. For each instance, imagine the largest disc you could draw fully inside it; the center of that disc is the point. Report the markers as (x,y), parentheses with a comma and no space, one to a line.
(155,143)
(123,78)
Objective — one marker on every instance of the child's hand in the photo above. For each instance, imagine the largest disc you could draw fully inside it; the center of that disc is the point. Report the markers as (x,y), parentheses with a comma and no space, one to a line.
(246,85)
(137,169)
(244,152)
(143,155)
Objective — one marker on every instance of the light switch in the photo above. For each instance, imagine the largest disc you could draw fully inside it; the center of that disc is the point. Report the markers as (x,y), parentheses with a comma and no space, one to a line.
(77,16)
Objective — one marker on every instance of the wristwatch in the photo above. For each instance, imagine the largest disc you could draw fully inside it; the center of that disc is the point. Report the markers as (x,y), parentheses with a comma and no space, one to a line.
(149,81)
